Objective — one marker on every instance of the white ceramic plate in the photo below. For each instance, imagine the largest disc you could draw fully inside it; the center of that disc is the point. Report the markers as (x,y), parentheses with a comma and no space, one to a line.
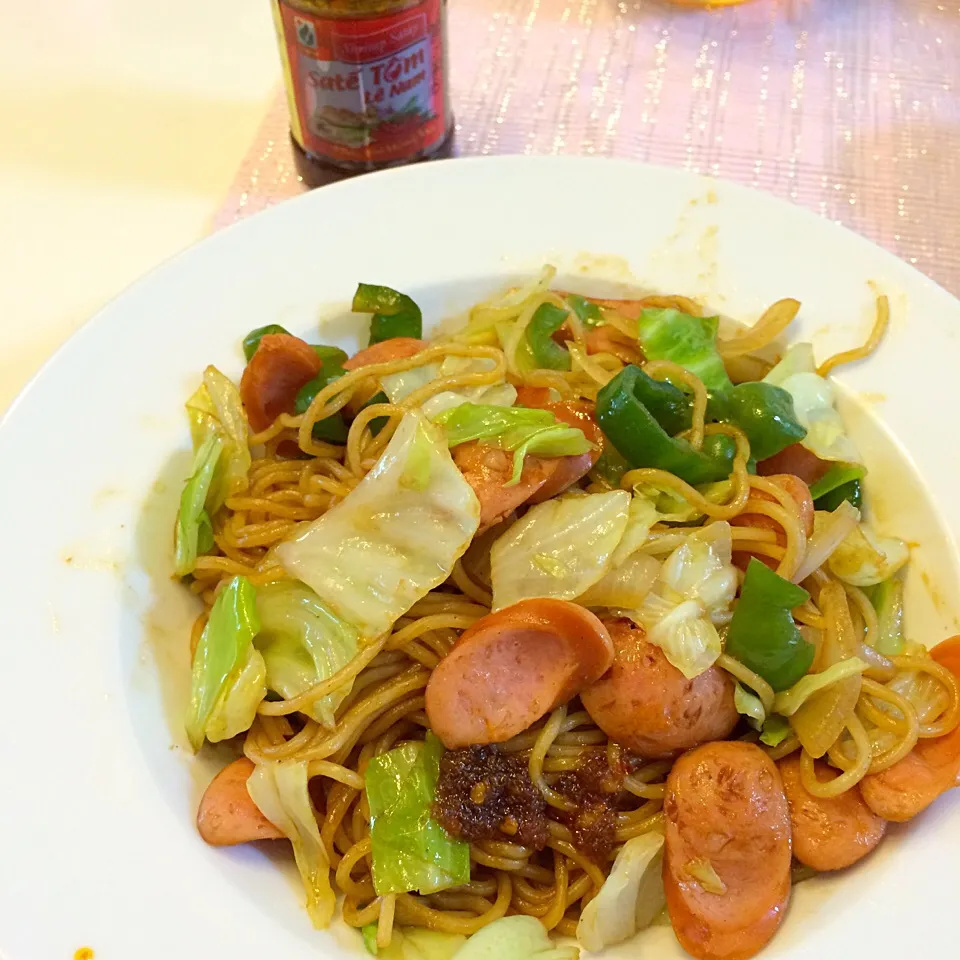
(98,791)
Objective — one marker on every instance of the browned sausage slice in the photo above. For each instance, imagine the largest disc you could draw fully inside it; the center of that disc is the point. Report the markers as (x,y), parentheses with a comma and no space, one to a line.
(648,705)
(829,833)
(907,788)
(726,819)
(397,348)
(513,666)
(227,814)
(488,469)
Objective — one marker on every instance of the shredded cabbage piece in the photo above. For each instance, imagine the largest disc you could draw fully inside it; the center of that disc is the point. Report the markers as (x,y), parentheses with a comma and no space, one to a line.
(514,938)
(691,596)
(218,427)
(228,679)
(641,516)
(630,898)
(626,585)
(409,849)
(865,558)
(414,943)
(303,643)
(394,538)
(814,401)
(748,705)
(775,730)
(280,792)
(193,533)
(559,549)
(216,407)
(399,386)
(632,574)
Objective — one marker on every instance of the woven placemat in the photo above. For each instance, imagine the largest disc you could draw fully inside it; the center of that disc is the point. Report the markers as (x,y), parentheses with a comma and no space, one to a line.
(847,107)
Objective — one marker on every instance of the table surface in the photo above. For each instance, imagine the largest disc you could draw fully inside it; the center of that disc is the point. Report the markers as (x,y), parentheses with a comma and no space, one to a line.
(130,132)
(123,126)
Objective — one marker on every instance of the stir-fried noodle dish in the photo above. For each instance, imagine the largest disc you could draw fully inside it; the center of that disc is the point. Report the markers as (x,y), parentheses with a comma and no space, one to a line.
(545,631)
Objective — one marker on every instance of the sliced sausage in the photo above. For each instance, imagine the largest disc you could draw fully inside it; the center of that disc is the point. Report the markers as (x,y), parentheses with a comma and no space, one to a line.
(227,814)
(829,833)
(488,469)
(796,460)
(631,309)
(512,667)
(726,812)
(274,375)
(399,348)
(569,470)
(648,705)
(907,788)
(528,396)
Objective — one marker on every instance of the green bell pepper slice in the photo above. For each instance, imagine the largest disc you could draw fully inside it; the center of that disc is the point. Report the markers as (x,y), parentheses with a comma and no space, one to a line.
(588,313)
(641,439)
(843,481)
(546,352)
(394,313)
(332,429)
(252,340)
(330,355)
(762,634)
(763,412)
(852,492)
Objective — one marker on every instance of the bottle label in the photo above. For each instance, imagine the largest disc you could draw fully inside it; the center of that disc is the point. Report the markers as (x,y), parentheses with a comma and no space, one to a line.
(368,90)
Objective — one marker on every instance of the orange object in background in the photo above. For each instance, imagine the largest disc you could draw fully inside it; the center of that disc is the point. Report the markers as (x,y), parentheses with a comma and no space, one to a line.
(366,80)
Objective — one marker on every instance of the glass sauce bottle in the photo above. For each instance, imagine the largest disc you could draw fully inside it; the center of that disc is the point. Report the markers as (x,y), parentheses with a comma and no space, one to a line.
(366,81)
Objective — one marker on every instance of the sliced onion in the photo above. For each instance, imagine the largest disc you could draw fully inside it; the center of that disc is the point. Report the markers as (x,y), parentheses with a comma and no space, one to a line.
(823,717)
(835,529)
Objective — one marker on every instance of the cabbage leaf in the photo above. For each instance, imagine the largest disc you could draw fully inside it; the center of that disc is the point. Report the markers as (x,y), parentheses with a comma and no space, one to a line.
(399,386)
(218,427)
(630,898)
(410,850)
(281,793)
(414,943)
(691,597)
(748,705)
(514,938)
(216,407)
(864,558)
(228,679)
(691,342)
(559,549)
(775,730)
(394,538)
(303,643)
(193,533)
(625,585)
(814,401)
(519,429)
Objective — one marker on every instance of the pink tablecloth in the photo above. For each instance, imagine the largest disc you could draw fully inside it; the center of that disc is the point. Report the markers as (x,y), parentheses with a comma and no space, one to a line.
(849,107)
